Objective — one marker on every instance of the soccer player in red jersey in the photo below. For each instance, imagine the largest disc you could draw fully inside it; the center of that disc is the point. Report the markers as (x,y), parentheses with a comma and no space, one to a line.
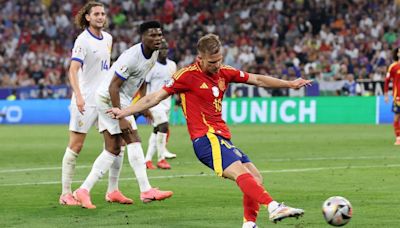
(201,87)
(393,74)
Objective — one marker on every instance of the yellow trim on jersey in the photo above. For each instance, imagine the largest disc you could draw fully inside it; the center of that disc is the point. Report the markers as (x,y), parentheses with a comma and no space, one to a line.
(183,102)
(179,73)
(210,128)
(136,98)
(391,66)
(216,153)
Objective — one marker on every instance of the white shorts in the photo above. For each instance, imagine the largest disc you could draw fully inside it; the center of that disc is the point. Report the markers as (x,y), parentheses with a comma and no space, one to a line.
(159,116)
(108,123)
(82,123)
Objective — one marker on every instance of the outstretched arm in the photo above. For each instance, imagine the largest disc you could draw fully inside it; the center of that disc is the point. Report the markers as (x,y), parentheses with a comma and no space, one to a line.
(144,103)
(271,82)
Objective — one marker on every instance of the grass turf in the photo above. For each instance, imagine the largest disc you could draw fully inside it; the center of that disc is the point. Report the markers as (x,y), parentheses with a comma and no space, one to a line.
(301,164)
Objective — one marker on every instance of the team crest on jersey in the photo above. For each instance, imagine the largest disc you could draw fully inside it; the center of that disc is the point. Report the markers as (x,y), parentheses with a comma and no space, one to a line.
(221,84)
(170,83)
(215,91)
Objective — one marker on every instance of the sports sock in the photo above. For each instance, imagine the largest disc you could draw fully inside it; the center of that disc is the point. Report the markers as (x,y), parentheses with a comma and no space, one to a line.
(115,170)
(250,208)
(161,145)
(151,149)
(68,170)
(251,188)
(100,166)
(136,160)
(396,126)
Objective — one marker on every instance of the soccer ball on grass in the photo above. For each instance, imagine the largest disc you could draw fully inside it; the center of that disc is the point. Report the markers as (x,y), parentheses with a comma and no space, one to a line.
(337,211)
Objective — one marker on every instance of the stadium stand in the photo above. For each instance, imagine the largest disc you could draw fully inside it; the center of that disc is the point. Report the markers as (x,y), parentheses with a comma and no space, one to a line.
(329,41)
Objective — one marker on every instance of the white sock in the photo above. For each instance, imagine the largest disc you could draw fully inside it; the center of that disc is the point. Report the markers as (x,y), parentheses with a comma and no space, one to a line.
(115,170)
(136,160)
(272,206)
(100,167)
(151,149)
(68,170)
(161,145)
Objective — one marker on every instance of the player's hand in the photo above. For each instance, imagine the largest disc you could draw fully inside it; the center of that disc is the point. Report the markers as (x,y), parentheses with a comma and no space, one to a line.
(80,103)
(125,126)
(114,113)
(386,99)
(300,82)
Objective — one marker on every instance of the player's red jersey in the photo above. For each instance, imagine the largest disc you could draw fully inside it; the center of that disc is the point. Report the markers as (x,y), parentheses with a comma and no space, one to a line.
(202,96)
(393,74)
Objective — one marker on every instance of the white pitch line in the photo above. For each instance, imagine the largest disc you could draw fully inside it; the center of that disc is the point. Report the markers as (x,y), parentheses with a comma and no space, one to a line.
(208,175)
(269,160)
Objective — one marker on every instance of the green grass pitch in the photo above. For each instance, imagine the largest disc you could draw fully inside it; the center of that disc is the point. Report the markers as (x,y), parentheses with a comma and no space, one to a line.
(302,165)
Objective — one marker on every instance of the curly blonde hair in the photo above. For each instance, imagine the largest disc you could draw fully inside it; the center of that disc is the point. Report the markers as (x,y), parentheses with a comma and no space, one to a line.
(80,19)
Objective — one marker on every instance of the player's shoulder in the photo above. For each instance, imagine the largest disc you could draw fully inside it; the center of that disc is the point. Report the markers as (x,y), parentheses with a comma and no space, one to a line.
(171,62)
(106,35)
(394,65)
(186,71)
(228,68)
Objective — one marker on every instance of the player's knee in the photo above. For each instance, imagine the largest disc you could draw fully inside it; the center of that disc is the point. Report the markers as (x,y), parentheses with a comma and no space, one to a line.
(76,147)
(163,128)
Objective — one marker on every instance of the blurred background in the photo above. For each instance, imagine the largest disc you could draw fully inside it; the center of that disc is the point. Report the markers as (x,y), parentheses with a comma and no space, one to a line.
(343,45)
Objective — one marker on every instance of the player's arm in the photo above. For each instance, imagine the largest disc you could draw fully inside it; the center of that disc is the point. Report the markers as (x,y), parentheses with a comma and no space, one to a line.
(144,103)
(114,88)
(271,82)
(73,79)
(386,86)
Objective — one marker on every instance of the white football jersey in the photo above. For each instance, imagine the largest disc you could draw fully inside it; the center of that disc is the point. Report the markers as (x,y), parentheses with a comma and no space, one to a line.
(132,67)
(94,54)
(158,77)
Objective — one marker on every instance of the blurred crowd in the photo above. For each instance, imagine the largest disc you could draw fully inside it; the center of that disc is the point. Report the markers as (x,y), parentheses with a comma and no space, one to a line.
(326,40)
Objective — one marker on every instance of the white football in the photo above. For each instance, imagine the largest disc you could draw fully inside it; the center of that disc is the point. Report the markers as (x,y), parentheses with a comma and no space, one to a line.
(337,211)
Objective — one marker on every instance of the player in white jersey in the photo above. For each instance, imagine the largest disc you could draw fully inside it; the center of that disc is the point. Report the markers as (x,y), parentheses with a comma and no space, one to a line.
(90,61)
(159,75)
(124,79)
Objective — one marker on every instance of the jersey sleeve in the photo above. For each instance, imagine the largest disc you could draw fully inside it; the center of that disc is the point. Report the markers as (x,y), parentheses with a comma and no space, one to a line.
(176,84)
(125,65)
(235,75)
(79,50)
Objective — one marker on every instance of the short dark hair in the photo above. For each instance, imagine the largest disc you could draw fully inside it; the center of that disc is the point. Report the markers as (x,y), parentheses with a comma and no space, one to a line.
(396,54)
(148,25)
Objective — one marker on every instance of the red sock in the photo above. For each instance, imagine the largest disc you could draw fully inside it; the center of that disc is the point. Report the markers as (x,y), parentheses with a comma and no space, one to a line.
(396,126)
(250,208)
(251,188)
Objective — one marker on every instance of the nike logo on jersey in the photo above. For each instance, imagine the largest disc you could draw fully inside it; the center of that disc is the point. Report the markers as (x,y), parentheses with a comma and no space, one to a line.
(204,86)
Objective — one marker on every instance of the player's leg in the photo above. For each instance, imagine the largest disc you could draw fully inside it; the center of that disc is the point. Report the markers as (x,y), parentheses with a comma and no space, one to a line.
(161,145)
(396,126)
(136,160)
(100,166)
(113,193)
(68,167)
(79,126)
(151,149)
(226,160)
(167,153)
